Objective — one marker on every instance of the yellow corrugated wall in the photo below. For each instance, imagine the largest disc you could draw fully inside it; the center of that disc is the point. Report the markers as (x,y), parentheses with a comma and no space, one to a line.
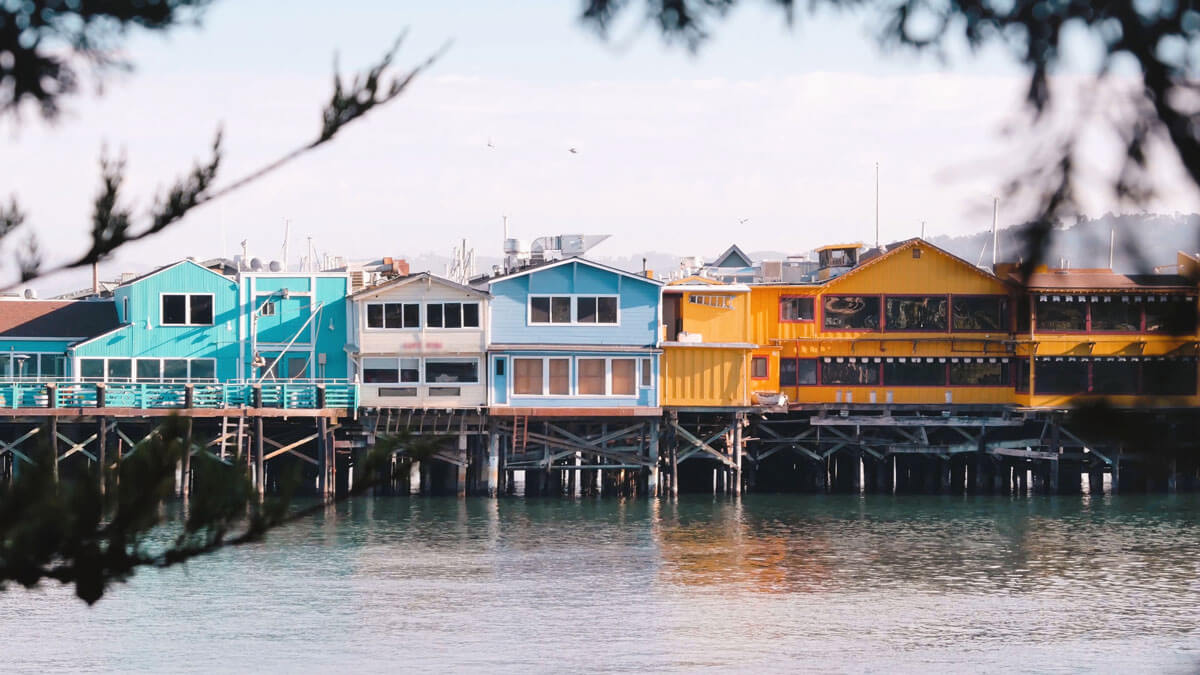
(704,376)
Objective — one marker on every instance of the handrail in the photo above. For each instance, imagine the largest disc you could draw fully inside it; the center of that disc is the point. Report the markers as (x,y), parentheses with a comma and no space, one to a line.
(63,393)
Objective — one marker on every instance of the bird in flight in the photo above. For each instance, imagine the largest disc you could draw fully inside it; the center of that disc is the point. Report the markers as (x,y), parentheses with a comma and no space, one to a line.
(490,143)
(743,221)
(573,151)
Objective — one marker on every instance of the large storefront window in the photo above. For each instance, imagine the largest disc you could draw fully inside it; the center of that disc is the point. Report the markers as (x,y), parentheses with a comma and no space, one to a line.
(1170,314)
(980,372)
(850,373)
(797,372)
(1066,313)
(980,312)
(1174,377)
(923,313)
(850,312)
(1116,314)
(1060,375)
(914,372)
(1114,376)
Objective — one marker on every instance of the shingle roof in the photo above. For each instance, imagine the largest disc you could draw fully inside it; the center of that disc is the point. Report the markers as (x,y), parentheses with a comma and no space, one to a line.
(1089,279)
(56,318)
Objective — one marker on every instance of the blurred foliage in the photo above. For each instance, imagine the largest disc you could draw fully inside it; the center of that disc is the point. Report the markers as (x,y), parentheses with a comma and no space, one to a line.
(1161,39)
(75,533)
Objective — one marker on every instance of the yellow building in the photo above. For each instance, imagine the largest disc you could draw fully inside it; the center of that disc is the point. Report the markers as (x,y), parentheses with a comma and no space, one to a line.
(706,357)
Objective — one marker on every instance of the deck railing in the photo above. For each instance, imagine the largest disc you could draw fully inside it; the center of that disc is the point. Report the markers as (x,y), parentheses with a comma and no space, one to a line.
(289,395)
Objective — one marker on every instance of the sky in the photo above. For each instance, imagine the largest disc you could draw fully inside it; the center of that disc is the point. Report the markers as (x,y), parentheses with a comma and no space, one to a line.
(782,126)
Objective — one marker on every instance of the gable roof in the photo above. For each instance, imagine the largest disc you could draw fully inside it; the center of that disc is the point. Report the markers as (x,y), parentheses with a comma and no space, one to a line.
(1095,280)
(694,280)
(56,318)
(164,268)
(574,259)
(896,248)
(732,257)
(412,278)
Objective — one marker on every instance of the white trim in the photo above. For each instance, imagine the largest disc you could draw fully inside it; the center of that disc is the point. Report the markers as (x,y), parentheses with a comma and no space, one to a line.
(187,309)
(425,315)
(77,368)
(171,266)
(582,261)
(574,297)
(421,363)
(512,377)
(400,282)
(608,379)
(383,329)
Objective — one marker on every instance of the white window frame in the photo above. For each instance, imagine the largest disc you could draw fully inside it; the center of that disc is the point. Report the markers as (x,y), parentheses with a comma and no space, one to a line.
(425,314)
(574,298)
(643,363)
(512,379)
(187,310)
(421,370)
(608,377)
(452,359)
(715,300)
(77,366)
(11,357)
(381,329)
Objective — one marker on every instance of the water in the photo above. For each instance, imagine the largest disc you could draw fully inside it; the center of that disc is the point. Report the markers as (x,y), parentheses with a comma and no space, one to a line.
(818,583)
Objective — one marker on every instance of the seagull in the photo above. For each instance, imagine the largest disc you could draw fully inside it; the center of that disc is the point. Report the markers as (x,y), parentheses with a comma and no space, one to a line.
(573,151)
(743,221)
(490,143)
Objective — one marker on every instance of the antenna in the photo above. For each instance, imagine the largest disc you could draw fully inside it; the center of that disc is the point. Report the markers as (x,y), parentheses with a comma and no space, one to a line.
(287,235)
(1112,238)
(922,230)
(876,205)
(995,240)
(311,258)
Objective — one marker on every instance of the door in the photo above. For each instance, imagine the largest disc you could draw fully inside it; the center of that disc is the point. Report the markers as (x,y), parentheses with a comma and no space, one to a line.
(672,315)
(500,380)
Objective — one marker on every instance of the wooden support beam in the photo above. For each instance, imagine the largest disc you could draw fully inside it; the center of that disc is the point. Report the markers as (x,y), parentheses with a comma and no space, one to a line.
(290,447)
(914,421)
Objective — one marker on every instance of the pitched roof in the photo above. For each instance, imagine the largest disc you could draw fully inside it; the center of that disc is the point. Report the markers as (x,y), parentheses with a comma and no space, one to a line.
(1103,279)
(56,318)
(164,268)
(404,281)
(732,257)
(576,259)
(895,248)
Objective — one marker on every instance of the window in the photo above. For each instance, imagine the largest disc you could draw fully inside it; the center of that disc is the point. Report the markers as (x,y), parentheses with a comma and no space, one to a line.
(596,309)
(1061,313)
(202,370)
(267,309)
(120,370)
(187,309)
(51,366)
(1114,376)
(797,372)
(591,377)
(624,377)
(914,372)
(393,315)
(149,370)
(500,367)
(398,391)
(1170,314)
(924,313)
(91,370)
(850,312)
(758,368)
(410,370)
(1116,314)
(1022,368)
(1169,378)
(452,315)
(989,372)
(718,301)
(850,373)
(647,373)
(796,309)
(1059,375)
(980,312)
(527,376)
(380,370)
(462,371)
(550,309)
(560,376)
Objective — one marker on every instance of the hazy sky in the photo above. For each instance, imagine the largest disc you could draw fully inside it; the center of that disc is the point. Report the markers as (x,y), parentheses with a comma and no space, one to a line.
(779,126)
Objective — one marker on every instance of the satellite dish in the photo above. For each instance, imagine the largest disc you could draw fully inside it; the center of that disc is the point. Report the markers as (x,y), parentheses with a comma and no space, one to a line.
(30,294)
(256,264)
(275,266)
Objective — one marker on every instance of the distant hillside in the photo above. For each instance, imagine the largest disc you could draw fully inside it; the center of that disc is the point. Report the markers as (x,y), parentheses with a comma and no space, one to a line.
(1143,241)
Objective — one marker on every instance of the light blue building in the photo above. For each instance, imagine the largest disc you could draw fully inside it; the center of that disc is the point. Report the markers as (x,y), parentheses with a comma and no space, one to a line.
(574,334)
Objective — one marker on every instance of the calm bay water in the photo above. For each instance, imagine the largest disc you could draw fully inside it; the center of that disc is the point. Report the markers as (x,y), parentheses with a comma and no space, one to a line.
(824,583)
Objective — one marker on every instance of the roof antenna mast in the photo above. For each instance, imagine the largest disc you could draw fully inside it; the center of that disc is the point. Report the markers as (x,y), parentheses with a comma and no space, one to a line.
(995,235)
(876,205)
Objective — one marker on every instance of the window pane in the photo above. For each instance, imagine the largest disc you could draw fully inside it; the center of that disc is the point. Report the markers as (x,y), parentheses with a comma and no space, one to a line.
(850,373)
(647,373)
(1022,375)
(606,311)
(410,370)
(202,309)
(560,376)
(624,377)
(927,312)
(975,374)
(1061,315)
(796,309)
(758,367)
(527,376)
(560,310)
(175,369)
(586,309)
(453,313)
(297,367)
(5,366)
(1170,378)
(914,373)
(91,369)
(52,365)
(374,316)
(412,315)
(380,370)
(202,369)
(980,313)
(470,315)
(1060,377)
(539,310)
(850,312)
(174,310)
(393,315)
(120,370)
(591,377)
(466,372)
(1174,317)
(1115,315)
(787,372)
(148,369)
(433,315)
(1114,377)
